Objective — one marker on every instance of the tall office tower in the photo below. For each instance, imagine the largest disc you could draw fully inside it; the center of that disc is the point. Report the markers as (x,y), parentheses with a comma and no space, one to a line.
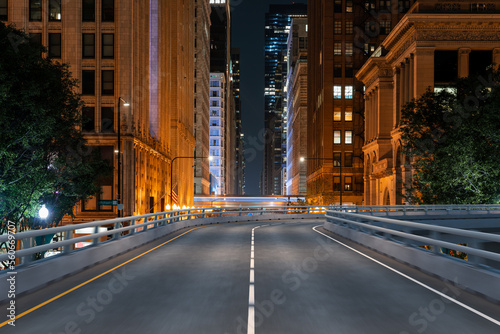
(277,25)
(240,137)
(220,62)
(342,35)
(201,96)
(217,134)
(123,62)
(296,91)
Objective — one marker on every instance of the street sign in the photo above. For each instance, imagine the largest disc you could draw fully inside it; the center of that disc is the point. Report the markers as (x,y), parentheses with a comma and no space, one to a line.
(108,202)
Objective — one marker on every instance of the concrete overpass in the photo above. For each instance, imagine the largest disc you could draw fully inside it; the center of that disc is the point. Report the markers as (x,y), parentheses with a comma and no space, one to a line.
(278,271)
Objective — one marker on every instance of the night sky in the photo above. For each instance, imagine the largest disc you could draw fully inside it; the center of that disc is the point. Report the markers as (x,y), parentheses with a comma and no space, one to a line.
(248,35)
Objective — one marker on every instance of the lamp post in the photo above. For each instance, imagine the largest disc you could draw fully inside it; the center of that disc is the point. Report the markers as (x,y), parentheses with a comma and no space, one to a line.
(119,192)
(171,173)
(302,159)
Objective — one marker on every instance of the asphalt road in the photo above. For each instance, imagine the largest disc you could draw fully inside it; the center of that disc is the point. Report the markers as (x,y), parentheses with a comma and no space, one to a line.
(292,280)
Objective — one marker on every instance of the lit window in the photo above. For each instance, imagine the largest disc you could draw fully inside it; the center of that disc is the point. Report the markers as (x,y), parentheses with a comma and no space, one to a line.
(337,92)
(348,6)
(348,92)
(348,49)
(336,137)
(337,28)
(337,114)
(385,27)
(348,183)
(337,49)
(348,27)
(348,137)
(35,10)
(348,114)
(55,10)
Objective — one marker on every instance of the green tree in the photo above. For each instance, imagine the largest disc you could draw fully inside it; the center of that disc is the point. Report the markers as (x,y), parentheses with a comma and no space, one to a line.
(453,139)
(44,158)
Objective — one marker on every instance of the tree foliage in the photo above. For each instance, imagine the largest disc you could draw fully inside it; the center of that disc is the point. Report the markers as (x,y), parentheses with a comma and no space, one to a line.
(44,158)
(453,139)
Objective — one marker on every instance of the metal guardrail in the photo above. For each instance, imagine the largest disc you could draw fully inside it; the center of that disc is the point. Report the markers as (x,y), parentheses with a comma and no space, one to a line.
(447,209)
(390,228)
(126,226)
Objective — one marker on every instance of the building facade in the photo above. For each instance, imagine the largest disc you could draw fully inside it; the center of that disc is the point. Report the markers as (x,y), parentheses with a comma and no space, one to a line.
(240,136)
(277,27)
(201,96)
(342,35)
(217,133)
(432,46)
(296,91)
(136,84)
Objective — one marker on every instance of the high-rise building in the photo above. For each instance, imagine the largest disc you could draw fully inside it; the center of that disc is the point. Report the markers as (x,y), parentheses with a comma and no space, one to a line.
(220,62)
(217,133)
(296,92)
(134,60)
(277,26)
(342,34)
(201,96)
(426,49)
(239,138)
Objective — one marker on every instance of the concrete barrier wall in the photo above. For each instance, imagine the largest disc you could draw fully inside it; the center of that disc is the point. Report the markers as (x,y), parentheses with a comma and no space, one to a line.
(39,273)
(464,275)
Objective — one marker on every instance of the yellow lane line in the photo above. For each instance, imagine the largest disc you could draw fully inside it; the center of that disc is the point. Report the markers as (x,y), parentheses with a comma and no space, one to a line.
(92,279)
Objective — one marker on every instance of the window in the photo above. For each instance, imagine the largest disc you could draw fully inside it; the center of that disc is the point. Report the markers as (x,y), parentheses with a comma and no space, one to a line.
(371,28)
(337,159)
(4,10)
(337,71)
(215,93)
(337,28)
(369,5)
(108,46)
(88,119)
(348,71)
(54,10)
(214,84)
(302,42)
(348,49)
(36,38)
(88,82)
(54,45)
(214,122)
(108,10)
(35,10)
(348,27)
(107,119)
(348,6)
(215,103)
(336,137)
(337,49)
(214,132)
(348,183)
(336,183)
(385,4)
(88,10)
(215,113)
(404,5)
(348,137)
(108,82)
(385,27)
(337,92)
(348,92)
(369,48)
(446,66)
(88,41)
(337,114)
(337,6)
(348,159)
(348,114)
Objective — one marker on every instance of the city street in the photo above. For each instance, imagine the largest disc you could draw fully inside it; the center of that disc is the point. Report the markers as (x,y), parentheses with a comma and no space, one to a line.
(301,282)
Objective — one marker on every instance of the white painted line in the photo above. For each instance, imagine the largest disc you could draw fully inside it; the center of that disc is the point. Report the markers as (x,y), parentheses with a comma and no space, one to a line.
(467,307)
(251,320)
(252,276)
(251,289)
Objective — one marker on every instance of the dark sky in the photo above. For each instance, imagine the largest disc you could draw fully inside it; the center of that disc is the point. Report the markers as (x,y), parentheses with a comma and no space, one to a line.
(248,34)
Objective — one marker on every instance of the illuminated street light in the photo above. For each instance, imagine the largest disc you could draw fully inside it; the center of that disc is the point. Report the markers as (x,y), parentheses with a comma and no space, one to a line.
(43,212)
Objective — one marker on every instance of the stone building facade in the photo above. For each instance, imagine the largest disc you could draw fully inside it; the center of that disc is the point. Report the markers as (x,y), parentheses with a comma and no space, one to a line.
(431,46)
(116,51)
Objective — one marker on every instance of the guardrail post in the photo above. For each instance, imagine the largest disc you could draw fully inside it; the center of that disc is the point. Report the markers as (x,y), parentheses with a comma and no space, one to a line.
(67,236)
(203,213)
(27,243)
(95,241)
(220,212)
(189,215)
(117,226)
(435,235)
(474,259)
(132,223)
(261,211)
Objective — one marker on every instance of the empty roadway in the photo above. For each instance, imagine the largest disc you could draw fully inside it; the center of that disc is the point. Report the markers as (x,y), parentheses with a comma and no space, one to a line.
(303,282)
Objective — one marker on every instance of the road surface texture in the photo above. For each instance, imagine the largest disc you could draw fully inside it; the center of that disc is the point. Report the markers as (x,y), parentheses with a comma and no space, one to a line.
(271,277)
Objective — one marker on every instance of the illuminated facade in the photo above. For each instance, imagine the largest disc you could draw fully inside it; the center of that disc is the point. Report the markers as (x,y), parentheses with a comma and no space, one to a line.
(240,136)
(342,34)
(217,133)
(277,27)
(201,96)
(432,46)
(296,89)
(115,50)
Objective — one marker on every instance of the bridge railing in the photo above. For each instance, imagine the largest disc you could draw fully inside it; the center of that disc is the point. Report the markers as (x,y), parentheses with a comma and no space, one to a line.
(426,209)
(420,234)
(112,229)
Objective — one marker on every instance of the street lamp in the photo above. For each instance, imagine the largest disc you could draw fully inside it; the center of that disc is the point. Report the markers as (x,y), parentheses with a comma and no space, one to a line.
(171,172)
(43,212)
(302,159)
(119,193)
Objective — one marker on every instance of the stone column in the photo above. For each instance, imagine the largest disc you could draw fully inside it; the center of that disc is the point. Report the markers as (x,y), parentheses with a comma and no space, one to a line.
(411,78)
(463,62)
(402,86)
(406,82)
(424,66)
(396,98)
